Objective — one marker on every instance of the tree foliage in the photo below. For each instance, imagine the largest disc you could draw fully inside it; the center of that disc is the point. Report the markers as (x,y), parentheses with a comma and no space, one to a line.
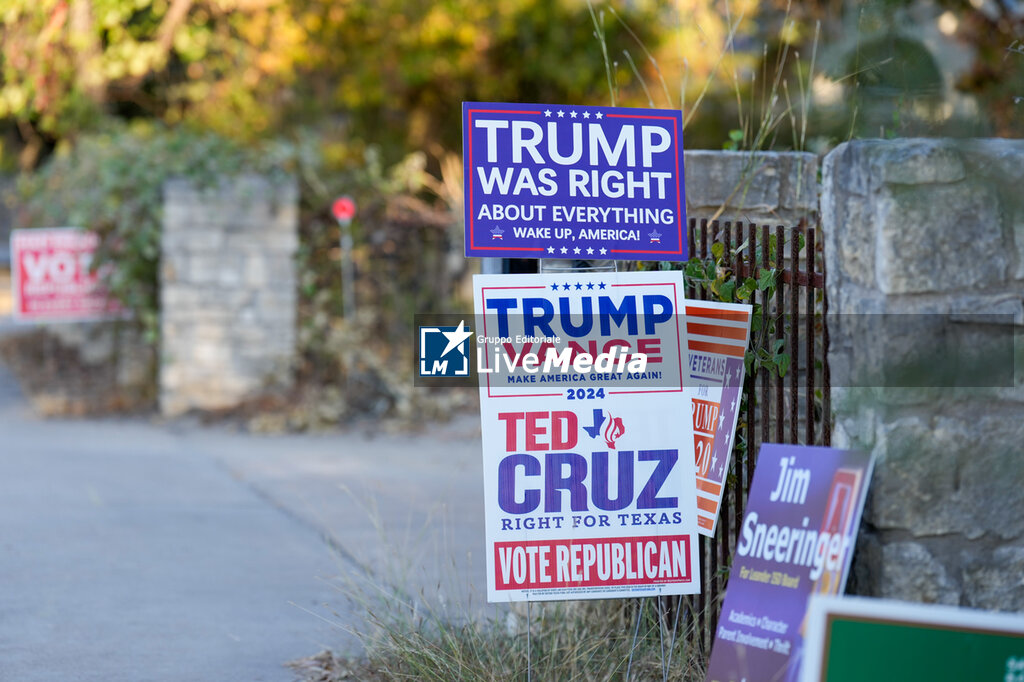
(67,64)
(399,69)
(393,70)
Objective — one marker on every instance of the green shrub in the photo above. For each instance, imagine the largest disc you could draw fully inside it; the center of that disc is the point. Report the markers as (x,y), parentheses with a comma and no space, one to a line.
(112,183)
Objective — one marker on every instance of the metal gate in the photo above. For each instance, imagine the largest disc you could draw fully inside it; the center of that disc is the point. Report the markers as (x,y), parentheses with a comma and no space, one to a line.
(793,408)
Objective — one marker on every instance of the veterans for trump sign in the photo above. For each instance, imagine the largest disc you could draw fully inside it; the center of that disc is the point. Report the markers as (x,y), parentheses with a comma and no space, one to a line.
(52,279)
(560,181)
(717,334)
(589,483)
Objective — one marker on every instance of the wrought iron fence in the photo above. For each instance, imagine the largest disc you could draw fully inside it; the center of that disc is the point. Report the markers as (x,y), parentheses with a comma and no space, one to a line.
(793,408)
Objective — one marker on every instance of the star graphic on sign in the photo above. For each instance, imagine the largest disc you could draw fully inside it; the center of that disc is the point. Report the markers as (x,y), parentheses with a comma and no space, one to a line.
(727,437)
(578,286)
(599,115)
(737,372)
(547,113)
(603,251)
(590,251)
(551,249)
(573,114)
(721,470)
(455,338)
(566,286)
(565,250)
(576,250)
(734,404)
(721,420)
(561,114)
(554,287)
(586,114)
(590,285)
(600,285)
(714,460)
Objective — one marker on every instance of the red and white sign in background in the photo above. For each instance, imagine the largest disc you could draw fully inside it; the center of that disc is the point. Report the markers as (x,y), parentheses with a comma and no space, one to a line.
(51,280)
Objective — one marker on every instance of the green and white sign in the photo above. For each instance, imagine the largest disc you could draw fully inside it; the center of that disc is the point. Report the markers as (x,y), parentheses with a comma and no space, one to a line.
(853,639)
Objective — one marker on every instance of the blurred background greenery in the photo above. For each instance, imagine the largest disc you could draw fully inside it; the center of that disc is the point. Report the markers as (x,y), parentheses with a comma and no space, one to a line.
(392,73)
(102,100)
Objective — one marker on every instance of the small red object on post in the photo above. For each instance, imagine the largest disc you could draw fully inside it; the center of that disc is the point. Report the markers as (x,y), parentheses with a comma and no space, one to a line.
(343,209)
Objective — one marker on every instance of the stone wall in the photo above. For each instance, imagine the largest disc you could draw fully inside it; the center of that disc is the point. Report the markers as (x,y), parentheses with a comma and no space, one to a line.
(228,292)
(80,368)
(934,228)
(776,188)
(770,188)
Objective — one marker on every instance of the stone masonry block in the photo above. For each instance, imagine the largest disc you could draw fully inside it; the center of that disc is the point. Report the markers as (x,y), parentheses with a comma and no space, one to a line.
(206,238)
(921,162)
(798,182)
(231,275)
(919,353)
(1000,162)
(911,216)
(752,186)
(178,300)
(941,475)
(277,242)
(206,268)
(910,572)
(256,270)
(936,238)
(996,580)
(1018,241)
(735,179)
(846,221)
(211,353)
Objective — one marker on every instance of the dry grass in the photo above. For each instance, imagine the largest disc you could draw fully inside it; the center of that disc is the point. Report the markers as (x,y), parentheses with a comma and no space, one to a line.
(619,639)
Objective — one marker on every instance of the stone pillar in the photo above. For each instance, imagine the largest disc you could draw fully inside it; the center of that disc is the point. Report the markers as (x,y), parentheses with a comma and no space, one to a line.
(924,244)
(227,291)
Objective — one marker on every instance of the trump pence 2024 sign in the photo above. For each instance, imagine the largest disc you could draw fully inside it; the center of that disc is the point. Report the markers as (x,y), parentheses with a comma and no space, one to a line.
(588,474)
(560,181)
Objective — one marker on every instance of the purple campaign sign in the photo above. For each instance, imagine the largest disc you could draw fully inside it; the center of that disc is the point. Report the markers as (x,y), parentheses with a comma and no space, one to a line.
(561,181)
(796,540)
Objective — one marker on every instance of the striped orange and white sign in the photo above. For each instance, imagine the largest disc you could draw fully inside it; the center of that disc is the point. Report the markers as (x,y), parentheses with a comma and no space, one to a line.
(713,330)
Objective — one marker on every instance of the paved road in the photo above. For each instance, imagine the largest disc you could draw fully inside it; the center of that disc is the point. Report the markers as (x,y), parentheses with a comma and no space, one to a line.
(137,550)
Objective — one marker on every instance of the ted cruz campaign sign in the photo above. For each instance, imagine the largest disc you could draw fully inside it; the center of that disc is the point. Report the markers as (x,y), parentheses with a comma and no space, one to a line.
(561,181)
(588,468)
(51,279)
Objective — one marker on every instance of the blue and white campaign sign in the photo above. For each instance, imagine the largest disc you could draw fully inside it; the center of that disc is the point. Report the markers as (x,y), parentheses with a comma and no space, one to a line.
(589,485)
(566,181)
